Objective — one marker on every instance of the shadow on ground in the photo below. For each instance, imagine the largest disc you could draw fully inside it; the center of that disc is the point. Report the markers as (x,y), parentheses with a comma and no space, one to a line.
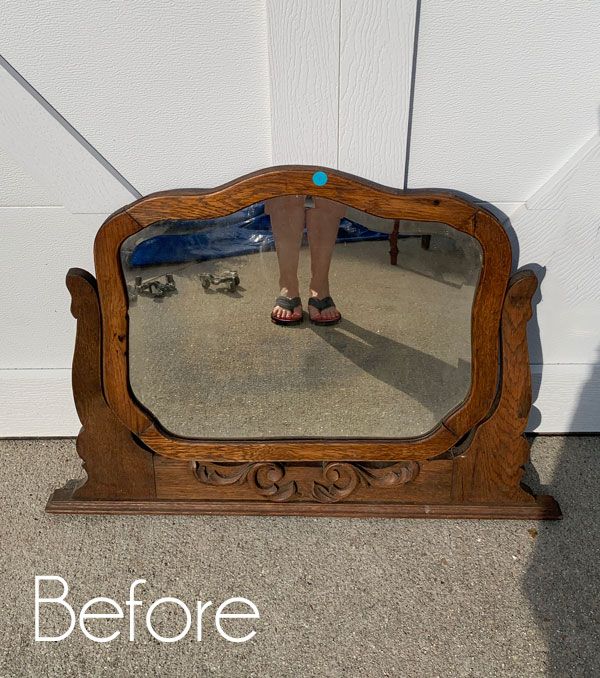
(562,582)
(404,366)
(562,579)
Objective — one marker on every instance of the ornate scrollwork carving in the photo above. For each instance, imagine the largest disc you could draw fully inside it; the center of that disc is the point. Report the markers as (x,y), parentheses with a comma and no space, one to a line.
(264,477)
(340,479)
(328,483)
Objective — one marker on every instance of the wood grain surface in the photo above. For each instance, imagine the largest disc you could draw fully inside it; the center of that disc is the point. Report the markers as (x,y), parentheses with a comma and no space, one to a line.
(440,206)
(543,509)
(116,466)
(492,465)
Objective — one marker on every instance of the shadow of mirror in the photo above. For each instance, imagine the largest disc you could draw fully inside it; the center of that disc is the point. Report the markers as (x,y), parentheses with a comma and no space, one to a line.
(562,582)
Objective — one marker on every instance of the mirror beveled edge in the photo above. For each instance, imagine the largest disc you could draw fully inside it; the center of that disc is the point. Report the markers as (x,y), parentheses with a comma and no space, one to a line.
(418,205)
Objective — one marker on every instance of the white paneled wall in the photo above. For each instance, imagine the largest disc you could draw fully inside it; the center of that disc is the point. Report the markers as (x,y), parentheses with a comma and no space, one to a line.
(304,76)
(505,93)
(171,93)
(102,100)
(53,153)
(18,189)
(340,84)
(99,98)
(376,52)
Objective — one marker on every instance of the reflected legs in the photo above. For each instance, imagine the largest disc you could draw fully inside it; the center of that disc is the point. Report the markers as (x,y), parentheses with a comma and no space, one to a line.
(288,215)
(322,224)
(287,222)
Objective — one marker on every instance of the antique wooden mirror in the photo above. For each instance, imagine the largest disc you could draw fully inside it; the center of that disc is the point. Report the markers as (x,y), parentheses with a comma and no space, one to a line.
(192,401)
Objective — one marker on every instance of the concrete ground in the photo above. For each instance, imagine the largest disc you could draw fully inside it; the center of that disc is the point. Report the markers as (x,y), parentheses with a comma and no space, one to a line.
(209,363)
(337,597)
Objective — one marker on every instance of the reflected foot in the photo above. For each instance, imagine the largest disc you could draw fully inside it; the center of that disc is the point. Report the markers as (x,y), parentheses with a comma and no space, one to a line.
(322,311)
(287,311)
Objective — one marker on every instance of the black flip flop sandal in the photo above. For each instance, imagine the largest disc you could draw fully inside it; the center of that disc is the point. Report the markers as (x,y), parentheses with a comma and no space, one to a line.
(289,305)
(321,305)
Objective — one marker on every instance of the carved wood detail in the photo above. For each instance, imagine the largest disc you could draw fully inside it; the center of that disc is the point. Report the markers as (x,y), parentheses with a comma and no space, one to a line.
(327,483)
(489,465)
(116,466)
(266,478)
(133,469)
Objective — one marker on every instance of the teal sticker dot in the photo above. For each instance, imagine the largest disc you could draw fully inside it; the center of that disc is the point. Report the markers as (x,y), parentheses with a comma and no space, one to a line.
(319,178)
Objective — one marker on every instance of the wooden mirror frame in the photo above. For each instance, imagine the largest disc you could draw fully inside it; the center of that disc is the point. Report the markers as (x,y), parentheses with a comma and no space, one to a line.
(343,467)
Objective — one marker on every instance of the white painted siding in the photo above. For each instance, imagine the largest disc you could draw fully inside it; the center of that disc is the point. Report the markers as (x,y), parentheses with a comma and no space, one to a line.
(506,92)
(172,93)
(110,99)
(37,326)
(304,81)
(376,55)
(18,189)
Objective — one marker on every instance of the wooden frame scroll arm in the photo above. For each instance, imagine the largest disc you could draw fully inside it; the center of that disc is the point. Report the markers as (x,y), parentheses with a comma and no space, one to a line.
(116,466)
(490,465)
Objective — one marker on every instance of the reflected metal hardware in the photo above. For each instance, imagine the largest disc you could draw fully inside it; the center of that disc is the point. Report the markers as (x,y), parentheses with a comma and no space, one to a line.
(230,279)
(152,287)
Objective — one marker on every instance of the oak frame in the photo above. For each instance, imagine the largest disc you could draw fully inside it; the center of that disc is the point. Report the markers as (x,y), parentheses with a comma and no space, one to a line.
(382,201)
(470,466)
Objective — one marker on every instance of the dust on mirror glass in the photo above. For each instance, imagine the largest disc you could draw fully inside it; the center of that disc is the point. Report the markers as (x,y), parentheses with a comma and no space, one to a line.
(209,357)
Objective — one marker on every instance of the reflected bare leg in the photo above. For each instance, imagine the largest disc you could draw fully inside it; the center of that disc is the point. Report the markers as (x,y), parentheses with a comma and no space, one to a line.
(287,222)
(322,224)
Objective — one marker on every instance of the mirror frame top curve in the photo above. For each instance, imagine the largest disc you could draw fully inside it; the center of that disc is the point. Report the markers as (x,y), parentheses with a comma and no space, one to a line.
(426,205)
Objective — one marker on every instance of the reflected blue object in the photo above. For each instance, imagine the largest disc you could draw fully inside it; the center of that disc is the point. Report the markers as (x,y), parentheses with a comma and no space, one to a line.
(245,232)
(319,178)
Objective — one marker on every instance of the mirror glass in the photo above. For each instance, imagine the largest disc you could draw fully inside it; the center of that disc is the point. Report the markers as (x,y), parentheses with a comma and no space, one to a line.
(207,361)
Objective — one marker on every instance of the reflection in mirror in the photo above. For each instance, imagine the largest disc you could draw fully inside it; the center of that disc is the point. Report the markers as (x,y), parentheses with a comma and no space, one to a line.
(207,362)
